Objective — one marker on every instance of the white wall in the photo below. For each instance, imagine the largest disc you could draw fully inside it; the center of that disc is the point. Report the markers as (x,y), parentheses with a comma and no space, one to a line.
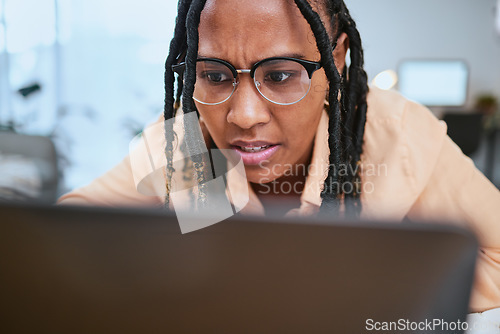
(393,30)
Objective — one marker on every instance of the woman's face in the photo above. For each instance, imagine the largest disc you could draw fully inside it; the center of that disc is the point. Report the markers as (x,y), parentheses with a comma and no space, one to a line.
(269,137)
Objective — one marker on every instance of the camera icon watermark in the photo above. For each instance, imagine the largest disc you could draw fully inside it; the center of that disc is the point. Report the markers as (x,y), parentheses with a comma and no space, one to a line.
(197,202)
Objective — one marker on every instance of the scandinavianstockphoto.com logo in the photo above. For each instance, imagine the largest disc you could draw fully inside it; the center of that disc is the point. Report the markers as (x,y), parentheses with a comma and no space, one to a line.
(222,199)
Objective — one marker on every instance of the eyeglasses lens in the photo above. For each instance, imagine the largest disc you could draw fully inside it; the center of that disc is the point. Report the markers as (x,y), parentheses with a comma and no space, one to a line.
(214,82)
(282,81)
(279,81)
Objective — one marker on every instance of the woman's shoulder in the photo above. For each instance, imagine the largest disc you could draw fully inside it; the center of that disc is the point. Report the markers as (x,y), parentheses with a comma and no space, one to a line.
(388,104)
(402,130)
(389,110)
(405,138)
(384,103)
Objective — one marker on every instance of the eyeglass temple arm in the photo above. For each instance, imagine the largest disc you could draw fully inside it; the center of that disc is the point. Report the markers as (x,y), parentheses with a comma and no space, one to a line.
(179,68)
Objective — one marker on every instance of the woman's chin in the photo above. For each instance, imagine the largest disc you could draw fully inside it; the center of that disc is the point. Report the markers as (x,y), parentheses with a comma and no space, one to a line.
(260,177)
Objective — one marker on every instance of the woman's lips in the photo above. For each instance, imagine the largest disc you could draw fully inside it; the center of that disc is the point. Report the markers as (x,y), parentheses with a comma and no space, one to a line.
(253,153)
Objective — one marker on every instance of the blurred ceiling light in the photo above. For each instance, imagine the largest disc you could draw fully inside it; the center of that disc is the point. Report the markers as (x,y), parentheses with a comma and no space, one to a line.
(385,80)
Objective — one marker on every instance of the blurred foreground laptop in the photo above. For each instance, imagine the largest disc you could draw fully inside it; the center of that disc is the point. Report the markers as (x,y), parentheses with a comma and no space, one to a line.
(88,270)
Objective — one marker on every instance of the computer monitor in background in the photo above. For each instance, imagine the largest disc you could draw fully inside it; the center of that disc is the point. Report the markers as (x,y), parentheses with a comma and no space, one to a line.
(434,82)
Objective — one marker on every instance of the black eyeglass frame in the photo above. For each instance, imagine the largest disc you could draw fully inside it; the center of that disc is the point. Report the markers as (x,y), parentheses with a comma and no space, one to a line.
(310,66)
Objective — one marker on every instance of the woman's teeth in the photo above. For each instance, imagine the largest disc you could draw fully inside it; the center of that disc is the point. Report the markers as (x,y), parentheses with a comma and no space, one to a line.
(254,149)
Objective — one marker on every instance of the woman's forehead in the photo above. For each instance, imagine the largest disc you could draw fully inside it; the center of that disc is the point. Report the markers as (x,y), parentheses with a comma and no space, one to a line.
(247,31)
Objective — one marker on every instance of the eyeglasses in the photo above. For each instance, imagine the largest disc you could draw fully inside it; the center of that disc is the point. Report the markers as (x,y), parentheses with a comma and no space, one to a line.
(280,80)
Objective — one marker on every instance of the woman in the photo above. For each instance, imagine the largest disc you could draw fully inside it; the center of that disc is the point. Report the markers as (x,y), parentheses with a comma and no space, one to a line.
(272,85)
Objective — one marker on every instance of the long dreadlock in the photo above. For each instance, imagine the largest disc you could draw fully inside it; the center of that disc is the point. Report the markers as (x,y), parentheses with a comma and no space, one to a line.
(168,109)
(347,117)
(354,103)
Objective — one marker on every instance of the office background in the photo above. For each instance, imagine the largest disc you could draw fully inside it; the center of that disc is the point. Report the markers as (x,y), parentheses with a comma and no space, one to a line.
(89,74)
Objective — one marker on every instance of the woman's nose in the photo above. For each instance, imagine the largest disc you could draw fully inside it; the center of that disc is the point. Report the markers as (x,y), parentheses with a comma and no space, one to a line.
(248,107)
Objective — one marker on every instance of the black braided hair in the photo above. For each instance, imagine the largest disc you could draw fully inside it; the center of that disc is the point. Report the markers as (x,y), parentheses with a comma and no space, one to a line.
(347,121)
(331,190)
(168,110)
(347,116)
(356,88)
(193,142)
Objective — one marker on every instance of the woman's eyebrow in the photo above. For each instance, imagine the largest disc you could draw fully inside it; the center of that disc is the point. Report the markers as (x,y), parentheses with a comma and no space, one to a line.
(285,55)
(202,56)
(293,55)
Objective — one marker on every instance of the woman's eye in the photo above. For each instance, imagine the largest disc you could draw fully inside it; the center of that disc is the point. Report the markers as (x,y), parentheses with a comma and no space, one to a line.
(215,77)
(278,77)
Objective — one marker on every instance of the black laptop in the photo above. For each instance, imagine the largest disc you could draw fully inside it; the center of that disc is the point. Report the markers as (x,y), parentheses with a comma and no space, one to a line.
(89,270)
